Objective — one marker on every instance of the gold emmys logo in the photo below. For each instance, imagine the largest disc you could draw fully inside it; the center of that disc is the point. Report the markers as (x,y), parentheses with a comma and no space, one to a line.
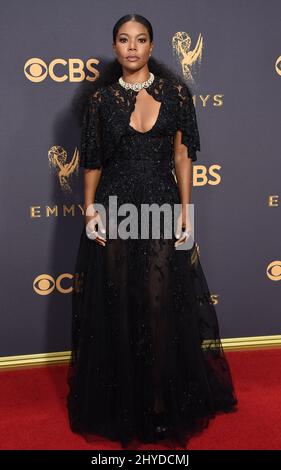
(57,157)
(214,299)
(273,270)
(44,284)
(36,70)
(36,212)
(181,44)
(273,200)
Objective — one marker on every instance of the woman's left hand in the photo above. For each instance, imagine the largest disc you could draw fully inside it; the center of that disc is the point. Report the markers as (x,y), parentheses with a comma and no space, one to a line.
(183,230)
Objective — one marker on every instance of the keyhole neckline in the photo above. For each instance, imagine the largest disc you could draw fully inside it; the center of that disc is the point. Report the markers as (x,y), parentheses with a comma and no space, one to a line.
(133,109)
(133,93)
(152,128)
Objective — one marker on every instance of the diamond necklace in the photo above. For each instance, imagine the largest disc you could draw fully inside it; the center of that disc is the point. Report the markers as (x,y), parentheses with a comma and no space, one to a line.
(137,86)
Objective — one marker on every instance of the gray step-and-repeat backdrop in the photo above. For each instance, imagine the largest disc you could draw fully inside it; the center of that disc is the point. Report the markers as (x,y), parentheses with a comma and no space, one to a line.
(229,52)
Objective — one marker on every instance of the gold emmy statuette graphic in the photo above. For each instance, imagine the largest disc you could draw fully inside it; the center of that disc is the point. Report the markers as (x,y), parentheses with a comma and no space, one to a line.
(57,160)
(181,43)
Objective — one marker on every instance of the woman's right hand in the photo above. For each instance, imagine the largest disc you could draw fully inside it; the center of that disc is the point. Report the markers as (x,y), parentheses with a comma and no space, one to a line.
(93,222)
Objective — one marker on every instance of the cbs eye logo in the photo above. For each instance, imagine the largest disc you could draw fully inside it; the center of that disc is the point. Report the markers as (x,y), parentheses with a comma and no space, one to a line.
(46,284)
(60,70)
(278,65)
(274,270)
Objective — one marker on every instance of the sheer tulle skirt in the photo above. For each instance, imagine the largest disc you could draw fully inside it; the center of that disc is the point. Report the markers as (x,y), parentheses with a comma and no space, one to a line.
(145,343)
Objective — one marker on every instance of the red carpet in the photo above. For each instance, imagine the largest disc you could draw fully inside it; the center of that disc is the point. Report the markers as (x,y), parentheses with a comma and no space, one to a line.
(33,409)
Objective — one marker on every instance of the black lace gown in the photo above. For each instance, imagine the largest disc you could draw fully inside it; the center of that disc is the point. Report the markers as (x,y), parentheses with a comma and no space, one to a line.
(145,337)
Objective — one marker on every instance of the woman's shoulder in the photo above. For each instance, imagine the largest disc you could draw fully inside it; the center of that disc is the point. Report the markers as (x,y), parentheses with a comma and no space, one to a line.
(174,89)
(177,85)
(104,91)
(96,97)
(97,93)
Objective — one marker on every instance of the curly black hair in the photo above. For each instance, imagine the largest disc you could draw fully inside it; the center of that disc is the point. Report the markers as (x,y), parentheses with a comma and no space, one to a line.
(111,72)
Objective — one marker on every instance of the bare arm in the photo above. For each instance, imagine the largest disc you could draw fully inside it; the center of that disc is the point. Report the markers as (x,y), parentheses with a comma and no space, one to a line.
(183,169)
(91,182)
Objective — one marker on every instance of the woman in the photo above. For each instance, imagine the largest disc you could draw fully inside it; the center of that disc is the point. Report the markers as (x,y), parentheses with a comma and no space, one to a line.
(147,360)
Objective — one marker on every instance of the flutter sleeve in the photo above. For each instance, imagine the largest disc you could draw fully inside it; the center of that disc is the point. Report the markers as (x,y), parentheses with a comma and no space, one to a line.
(90,144)
(187,121)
